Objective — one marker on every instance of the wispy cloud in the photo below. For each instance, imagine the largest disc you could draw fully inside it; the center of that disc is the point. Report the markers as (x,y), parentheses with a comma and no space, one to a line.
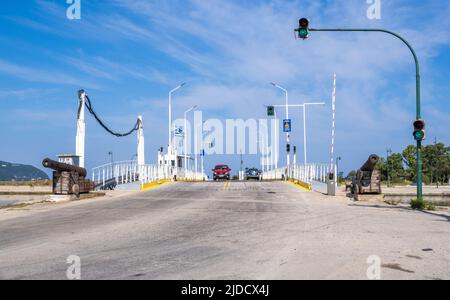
(41,75)
(26,94)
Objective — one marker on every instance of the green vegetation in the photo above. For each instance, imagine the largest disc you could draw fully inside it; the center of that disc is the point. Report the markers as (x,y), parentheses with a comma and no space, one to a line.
(418,204)
(421,204)
(436,163)
(401,167)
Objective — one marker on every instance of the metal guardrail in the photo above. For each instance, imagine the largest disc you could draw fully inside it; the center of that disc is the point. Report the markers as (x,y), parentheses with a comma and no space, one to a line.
(110,175)
(304,173)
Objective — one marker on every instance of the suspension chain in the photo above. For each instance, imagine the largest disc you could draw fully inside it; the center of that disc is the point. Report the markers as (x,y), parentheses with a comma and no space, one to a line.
(92,112)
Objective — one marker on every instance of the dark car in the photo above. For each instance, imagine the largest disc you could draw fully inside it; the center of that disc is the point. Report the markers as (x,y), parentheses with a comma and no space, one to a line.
(222,172)
(252,174)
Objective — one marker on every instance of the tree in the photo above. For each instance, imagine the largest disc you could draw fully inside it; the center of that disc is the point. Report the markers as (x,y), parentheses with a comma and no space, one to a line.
(351,174)
(392,167)
(436,163)
(395,167)
(382,166)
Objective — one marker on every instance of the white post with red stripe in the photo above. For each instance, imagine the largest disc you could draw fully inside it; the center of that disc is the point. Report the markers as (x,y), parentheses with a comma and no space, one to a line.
(332,178)
(333,129)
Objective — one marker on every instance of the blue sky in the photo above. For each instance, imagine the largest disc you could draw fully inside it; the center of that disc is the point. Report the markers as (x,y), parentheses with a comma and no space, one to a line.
(129,54)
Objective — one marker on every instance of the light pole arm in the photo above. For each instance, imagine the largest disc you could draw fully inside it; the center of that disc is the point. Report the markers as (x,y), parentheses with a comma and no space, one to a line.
(416,60)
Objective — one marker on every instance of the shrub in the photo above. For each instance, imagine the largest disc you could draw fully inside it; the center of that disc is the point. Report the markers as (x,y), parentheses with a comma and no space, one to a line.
(421,204)
(418,204)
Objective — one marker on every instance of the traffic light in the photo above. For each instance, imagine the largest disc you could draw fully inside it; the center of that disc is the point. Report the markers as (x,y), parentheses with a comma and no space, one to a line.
(288,148)
(303,29)
(295,150)
(271,111)
(419,130)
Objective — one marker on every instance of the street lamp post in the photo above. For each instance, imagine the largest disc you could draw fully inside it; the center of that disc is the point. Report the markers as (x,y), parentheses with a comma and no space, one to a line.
(303,33)
(287,118)
(170,149)
(276,143)
(185,137)
(196,145)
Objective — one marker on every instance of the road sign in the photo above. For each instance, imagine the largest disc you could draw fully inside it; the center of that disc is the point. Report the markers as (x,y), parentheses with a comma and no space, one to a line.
(179,131)
(287,125)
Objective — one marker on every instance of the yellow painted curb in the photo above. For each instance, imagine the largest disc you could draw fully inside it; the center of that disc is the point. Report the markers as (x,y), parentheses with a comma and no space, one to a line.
(303,185)
(151,185)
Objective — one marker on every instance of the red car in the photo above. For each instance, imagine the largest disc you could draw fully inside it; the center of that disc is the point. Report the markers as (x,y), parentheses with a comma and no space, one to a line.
(222,172)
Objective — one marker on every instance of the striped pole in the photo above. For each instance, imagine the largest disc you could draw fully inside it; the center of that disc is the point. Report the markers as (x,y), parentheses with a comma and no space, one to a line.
(333,130)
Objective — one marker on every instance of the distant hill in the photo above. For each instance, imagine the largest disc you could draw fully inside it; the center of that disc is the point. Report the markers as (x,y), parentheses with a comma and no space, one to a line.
(18,172)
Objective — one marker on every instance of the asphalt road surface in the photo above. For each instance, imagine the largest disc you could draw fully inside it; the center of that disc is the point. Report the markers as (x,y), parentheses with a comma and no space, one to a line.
(237,230)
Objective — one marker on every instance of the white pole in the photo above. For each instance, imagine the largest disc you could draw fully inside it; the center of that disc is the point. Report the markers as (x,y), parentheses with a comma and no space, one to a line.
(333,131)
(287,133)
(185,136)
(195,149)
(304,134)
(288,158)
(196,145)
(170,149)
(277,144)
(266,145)
(185,143)
(141,143)
(203,162)
(81,129)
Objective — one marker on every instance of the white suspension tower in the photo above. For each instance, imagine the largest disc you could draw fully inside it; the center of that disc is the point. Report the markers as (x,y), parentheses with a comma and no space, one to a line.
(140,143)
(81,129)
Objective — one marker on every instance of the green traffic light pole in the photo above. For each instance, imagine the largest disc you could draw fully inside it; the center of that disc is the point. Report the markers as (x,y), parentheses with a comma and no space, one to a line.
(418,112)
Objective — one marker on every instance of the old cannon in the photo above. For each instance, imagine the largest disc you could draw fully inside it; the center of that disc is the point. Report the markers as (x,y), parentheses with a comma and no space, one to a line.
(367,179)
(68,179)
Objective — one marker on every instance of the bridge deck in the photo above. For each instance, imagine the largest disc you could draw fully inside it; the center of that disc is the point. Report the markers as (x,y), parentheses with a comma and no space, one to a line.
(249,230)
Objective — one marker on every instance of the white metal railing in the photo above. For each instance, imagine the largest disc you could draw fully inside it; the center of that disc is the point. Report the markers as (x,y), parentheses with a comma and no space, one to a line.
(110,175)
(275,174)
(305,173)
(115,173)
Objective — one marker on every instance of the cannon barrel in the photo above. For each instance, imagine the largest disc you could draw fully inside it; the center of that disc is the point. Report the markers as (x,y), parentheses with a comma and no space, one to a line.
(371,163)
(60,167)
